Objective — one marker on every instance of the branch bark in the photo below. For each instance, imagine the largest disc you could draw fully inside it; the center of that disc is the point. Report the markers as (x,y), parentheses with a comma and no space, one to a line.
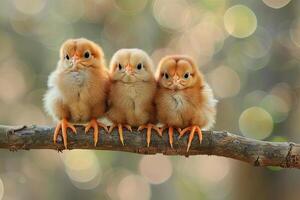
(220,143)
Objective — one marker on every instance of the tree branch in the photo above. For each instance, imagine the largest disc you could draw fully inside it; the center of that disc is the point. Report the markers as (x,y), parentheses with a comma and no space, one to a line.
(220,143)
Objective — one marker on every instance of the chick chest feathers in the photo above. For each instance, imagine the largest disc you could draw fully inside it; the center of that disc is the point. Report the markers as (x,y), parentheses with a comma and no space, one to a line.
(183,108)
(131,103)
(81,84)
(82,94)
(173,108)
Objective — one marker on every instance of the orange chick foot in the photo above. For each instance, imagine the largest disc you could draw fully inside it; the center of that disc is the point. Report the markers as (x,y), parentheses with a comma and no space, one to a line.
(171,133)
(120,130)
(192,130)
(95,124)
(149,128)
(63,125)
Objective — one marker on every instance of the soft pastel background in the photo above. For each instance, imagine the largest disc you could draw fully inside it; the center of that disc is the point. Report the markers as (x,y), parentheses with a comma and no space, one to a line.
(248,49)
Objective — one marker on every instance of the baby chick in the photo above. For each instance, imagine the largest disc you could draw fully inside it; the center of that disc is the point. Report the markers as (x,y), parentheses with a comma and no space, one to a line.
(183,99)
(78,87)
(132,91)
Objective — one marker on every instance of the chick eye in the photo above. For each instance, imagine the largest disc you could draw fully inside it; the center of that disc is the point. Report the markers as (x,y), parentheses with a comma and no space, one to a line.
(186,75)
(87,54)
(166,75)
(139,66)
(120,67)
(67,57)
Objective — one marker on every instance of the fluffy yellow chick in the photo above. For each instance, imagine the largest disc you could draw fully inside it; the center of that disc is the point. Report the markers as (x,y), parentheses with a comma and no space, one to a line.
(132,91)
(78,87)
(183,99)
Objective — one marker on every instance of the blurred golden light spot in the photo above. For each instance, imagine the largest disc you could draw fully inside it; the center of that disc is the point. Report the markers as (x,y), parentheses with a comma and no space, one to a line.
(284,91)
(201,41)
(156,168)
(212,169)
(131,6)
(240,21)
(276,3)
(30,7)
(276,107)
(237,57)
(208,173)
(1,189)
(113,177)
(172,14)
(82,167)
(183,45)
(295,32)
(257,64)
(256,123)
(22,24)
(225,82)
(259,44)
(254,98)
(134,187)
(87,185)
(12,83)
(207,35)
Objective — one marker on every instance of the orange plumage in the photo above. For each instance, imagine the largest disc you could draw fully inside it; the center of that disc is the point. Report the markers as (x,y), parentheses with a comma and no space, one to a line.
(78,87)
(183,99)
(132,91)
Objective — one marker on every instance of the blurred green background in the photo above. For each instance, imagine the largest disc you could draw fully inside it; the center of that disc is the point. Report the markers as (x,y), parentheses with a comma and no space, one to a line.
(248,50)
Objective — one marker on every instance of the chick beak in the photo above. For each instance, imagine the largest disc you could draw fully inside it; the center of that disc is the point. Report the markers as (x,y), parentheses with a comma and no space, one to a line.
(128,69)
(75,58)
(176,80)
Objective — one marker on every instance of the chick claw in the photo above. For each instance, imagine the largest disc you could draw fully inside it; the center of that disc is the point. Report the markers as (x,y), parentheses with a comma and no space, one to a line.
(120,130)
(149,127)
(63,125)
(192,130)
(171,133)
(95,124)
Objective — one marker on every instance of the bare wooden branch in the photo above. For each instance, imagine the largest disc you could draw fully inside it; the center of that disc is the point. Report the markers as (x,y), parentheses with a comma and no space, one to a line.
(220,143)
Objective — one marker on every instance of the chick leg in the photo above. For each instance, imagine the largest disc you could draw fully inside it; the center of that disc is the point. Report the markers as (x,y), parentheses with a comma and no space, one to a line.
(149,127)
(171,133)
(63,125)
(192,130)
(95,124)
(120,130)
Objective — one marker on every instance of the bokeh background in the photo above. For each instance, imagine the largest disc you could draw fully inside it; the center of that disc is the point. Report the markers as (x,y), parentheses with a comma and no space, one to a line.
(248,50)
